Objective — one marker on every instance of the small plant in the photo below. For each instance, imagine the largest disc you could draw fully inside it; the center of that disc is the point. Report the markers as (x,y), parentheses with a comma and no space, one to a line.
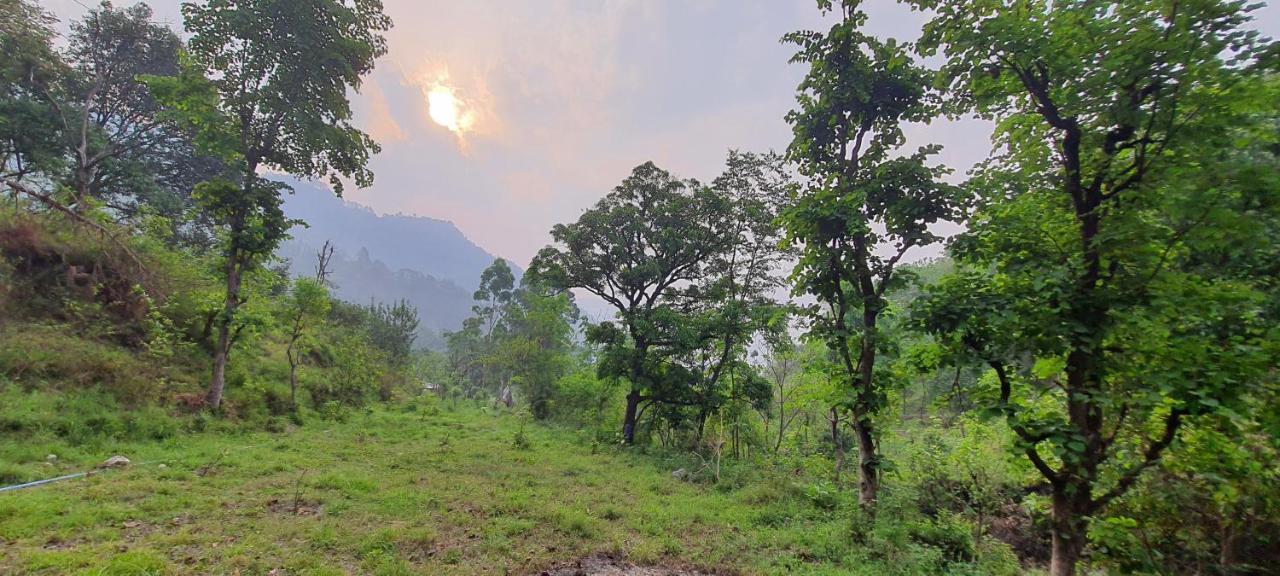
(520,440)
(823,495)
(297,492)
(333,410)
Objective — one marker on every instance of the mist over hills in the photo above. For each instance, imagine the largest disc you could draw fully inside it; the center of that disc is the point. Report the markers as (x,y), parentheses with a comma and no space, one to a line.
(384,258)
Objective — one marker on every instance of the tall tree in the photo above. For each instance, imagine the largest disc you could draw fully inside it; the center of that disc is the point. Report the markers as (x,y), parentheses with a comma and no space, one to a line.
(638,249)
(32,80)
(1085,288)
(267,85)
(116,125)
(736,298)
(538,342)
(494,302)
(863,206)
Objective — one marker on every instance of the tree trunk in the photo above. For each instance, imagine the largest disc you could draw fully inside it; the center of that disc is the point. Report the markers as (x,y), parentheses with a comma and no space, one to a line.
(293,377)
(222,348)
(868,463)
(839,447)
(213,399)
(1069,533)
(782,419)
(868,469)
(629,417)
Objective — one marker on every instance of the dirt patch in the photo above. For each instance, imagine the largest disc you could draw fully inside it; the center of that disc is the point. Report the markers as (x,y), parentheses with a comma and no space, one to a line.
(302,507)
(605,566)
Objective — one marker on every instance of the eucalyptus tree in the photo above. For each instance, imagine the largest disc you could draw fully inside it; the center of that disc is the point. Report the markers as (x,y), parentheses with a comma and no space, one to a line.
(267,84)
(1109,277)
(639,249)
(494,302)
(863,205)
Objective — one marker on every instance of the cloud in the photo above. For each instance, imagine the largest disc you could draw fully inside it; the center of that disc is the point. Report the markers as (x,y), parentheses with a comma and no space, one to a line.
(568,95)
(375,116)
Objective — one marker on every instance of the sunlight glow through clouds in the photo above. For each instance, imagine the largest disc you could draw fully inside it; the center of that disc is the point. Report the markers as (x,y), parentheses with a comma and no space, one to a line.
(462,108)
(447,110)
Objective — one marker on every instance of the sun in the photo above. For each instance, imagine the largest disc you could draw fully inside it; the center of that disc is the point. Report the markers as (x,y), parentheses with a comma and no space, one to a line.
(447,110)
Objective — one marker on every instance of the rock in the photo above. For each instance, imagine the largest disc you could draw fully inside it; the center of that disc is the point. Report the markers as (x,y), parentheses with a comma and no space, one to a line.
(162,466)
(115,462)
(680,474)
(51,458)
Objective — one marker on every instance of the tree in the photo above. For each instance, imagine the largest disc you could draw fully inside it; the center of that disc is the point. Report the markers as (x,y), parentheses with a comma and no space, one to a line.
(392,329)
(266,85)
(538,343)
(32,78)
(494,301)
(637,249)
(781,359)
(1086,285)
(118,129)
(735,299)
(308,302)
(863,207)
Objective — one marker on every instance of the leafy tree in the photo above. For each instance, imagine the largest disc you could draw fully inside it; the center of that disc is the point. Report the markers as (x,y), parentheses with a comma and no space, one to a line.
(497,287)
(494,298)
(735,299)
(119,139)
(32,78)
(392,329)
(863,207)
(1103,281)
(781,363)
(308,302)
(538,343)
(266,85)
(637,249)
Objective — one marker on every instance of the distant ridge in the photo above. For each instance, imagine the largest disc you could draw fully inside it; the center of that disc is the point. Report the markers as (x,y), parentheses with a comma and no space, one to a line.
(385,258)
(428,245)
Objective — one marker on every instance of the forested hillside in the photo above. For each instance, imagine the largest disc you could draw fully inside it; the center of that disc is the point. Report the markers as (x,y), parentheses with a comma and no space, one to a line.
(1087,381)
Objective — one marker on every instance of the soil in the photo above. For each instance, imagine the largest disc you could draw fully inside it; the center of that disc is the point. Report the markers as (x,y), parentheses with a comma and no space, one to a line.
(605,566)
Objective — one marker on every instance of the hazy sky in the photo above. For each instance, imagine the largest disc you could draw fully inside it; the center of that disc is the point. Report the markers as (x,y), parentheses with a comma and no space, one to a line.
(544,106)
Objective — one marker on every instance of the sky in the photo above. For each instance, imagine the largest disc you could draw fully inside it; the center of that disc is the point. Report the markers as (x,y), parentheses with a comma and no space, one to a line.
(507,117)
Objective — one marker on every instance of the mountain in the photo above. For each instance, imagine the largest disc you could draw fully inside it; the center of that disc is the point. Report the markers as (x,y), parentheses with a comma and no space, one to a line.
(384,258)
(431,246)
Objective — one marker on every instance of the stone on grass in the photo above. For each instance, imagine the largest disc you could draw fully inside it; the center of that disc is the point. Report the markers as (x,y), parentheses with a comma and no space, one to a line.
(115,462)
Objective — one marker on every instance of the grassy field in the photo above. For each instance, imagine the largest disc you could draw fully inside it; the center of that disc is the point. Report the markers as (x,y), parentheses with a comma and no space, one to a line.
(408,490)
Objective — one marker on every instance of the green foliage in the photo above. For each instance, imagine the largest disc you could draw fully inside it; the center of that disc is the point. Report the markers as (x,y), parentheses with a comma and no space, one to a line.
(31,76)
(688,269)
(1083,283)
(861,199)
(354,377)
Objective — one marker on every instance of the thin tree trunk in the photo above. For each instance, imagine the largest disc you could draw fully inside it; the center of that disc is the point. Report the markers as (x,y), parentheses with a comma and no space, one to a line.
(293,376)
(868,462)
(782,418)
(223,347)
(839,447)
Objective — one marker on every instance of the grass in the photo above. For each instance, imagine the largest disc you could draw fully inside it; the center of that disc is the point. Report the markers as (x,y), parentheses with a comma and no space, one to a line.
(388,491)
